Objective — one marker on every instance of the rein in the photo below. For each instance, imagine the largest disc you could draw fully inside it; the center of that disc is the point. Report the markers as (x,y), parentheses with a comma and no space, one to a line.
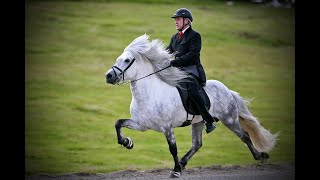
(150,74)
(123,71)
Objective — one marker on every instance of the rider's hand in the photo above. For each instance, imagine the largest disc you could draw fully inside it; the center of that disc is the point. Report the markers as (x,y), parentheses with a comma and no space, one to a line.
(174,63)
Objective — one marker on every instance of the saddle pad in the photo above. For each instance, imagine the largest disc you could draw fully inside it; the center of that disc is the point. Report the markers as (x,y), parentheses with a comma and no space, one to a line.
(189,106)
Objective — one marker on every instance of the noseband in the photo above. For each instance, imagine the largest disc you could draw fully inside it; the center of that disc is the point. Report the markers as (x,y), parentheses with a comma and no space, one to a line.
(122,72)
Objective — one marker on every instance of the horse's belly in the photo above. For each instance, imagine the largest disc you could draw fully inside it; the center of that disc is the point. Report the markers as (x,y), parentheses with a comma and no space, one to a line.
(158,115)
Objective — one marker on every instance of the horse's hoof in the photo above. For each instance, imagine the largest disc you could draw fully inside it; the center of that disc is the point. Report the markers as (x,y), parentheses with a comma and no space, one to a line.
(129,144)
(263,157)
(174,174)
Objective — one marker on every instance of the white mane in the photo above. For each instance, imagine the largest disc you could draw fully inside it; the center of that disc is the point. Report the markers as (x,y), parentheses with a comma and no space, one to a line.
(158,56)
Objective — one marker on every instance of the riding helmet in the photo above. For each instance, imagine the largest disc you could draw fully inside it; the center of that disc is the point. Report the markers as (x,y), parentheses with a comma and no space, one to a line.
(183,12)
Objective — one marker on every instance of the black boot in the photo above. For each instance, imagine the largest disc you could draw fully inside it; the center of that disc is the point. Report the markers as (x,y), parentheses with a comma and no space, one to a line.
(209,126)
(194,90)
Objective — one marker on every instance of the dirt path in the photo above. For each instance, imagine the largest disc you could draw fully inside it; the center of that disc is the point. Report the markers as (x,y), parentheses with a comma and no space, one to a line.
(259,172)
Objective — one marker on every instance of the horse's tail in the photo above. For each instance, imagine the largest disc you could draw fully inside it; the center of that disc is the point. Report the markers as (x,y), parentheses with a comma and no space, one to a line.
(261,138)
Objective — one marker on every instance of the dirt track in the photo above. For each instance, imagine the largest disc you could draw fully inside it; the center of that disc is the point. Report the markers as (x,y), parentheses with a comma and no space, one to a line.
(259,172)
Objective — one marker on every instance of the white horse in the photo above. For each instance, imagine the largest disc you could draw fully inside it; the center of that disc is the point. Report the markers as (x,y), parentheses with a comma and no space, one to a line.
(156,103)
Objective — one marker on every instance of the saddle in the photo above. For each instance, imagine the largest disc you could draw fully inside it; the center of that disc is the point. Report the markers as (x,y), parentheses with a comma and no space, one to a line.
(189,106)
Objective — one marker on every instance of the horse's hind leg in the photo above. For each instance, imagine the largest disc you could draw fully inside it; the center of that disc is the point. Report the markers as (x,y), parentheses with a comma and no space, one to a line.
(196,143)
(234,125)
(256,154)
(125,141)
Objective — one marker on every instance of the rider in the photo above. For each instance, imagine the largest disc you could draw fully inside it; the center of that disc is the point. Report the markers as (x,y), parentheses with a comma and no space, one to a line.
(186,46)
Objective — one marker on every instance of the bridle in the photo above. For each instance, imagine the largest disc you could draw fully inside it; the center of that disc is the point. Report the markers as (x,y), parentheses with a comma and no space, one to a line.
(123,71)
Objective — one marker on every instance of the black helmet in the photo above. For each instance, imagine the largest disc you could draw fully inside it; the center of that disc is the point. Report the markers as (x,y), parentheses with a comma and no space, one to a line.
(183,12)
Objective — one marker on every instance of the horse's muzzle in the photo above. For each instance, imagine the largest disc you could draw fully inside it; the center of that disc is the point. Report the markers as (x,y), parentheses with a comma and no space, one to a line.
(111,77)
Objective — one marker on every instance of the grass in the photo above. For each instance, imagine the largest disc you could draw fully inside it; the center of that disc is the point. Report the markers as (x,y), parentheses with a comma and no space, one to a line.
(71,111)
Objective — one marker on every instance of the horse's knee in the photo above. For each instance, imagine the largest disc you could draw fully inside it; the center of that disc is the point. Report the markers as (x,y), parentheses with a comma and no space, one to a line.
(119,123)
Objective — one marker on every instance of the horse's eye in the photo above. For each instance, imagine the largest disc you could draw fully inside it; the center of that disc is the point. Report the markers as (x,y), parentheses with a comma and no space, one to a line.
(127,60)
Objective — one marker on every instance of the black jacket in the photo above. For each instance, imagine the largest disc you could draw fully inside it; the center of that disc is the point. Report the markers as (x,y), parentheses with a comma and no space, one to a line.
(187,53)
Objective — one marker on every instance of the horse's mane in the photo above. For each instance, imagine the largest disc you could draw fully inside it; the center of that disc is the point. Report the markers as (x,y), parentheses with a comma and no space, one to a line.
(158,56)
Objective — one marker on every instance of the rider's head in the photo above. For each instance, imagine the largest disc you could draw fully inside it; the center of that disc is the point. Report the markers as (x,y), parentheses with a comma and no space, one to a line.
(183,17)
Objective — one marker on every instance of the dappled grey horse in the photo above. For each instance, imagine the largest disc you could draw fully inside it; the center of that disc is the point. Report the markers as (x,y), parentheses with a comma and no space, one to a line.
(156,103)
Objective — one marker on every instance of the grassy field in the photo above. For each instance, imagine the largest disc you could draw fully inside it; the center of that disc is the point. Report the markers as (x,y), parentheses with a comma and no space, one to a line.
(71,111)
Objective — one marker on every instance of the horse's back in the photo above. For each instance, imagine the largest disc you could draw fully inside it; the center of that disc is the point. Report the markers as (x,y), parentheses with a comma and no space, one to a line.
(220,95)
(215,86)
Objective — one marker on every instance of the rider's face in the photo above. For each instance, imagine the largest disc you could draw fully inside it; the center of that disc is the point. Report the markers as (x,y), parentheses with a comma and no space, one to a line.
(179,23)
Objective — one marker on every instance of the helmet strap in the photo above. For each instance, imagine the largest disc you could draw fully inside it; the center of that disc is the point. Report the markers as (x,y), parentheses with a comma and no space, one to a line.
(183,25)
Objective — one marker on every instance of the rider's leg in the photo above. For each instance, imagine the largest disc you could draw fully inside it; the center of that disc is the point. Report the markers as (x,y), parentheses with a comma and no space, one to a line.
(194,90)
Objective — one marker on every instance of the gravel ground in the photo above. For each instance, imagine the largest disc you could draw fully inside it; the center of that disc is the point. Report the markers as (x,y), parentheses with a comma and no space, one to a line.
(259,172)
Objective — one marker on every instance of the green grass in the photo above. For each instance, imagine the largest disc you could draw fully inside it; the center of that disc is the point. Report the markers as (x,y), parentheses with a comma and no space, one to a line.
(71,111)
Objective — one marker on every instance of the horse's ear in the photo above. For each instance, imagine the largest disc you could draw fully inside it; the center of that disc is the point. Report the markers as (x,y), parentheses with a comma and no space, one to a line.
(146,35)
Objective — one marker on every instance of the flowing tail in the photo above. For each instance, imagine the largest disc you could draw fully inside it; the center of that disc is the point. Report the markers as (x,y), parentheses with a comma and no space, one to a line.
(261,138)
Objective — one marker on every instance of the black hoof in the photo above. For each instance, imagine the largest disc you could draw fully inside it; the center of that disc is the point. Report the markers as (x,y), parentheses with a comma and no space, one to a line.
(264,156)
(174,174)
(128,143)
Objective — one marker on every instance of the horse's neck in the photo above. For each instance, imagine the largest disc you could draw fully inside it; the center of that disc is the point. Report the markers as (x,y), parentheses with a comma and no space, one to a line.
(149,88)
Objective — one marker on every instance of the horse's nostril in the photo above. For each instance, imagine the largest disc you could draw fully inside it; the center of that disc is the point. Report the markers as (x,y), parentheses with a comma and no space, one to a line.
(109,76)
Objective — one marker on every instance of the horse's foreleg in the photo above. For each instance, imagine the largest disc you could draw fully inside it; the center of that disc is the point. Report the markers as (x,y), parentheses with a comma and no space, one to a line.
(125,141)
(173,150)
(196,143)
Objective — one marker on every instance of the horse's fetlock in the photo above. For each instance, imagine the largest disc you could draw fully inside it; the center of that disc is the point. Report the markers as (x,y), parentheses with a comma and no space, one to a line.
(177,169)
(121,141)
(183,162)
(183,165)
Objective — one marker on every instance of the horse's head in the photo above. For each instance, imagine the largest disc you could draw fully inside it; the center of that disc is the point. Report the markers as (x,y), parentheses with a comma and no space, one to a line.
(142,58)
(121,68)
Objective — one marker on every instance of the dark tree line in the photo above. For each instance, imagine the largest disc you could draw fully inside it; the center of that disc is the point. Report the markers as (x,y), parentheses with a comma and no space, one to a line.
(274,3)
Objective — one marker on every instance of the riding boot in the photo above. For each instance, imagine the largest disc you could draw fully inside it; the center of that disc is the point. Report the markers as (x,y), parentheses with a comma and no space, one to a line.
(207,118)
(194,91)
